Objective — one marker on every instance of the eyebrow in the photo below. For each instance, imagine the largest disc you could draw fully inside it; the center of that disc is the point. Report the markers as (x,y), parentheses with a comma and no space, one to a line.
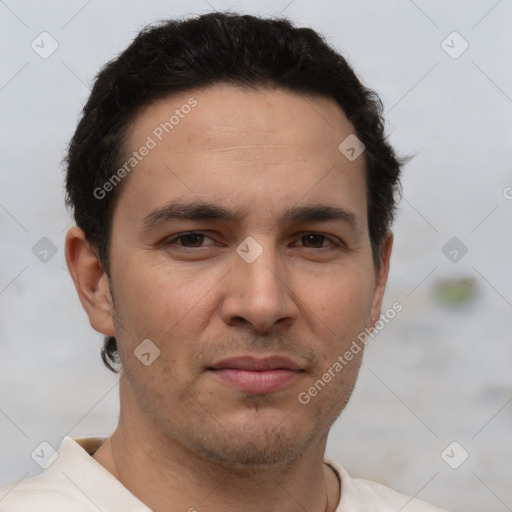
(199,210)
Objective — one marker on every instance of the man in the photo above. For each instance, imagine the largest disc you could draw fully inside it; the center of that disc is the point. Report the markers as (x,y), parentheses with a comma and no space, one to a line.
(233,194)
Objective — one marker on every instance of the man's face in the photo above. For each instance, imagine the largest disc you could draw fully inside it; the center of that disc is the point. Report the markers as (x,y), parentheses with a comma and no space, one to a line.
(302,287)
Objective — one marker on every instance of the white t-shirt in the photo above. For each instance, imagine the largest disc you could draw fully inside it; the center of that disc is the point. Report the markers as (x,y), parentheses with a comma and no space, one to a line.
(75,482)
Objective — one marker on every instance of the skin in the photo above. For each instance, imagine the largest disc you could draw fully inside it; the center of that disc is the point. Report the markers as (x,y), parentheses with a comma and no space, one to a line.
(186,439)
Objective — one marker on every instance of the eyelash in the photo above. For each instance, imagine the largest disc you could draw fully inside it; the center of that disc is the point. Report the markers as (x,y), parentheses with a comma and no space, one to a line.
(188,233)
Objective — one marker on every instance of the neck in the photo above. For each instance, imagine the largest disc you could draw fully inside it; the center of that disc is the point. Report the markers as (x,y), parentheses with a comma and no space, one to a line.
(166,477)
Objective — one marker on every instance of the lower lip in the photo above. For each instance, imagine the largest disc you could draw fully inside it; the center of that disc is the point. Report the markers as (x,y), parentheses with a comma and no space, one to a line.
(256,381)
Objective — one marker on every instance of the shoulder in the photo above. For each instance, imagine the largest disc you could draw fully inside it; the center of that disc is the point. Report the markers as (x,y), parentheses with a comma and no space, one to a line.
(38,493)
(359,494)
(60,487)
(72,482)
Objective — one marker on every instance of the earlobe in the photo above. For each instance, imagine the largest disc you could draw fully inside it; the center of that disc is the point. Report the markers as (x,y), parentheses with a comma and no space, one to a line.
(91,282)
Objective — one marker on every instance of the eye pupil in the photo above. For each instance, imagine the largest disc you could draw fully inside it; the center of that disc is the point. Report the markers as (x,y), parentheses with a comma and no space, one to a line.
(311,238)
(193,238)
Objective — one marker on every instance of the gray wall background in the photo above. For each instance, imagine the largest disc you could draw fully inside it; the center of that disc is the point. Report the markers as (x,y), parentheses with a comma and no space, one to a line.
(438,373)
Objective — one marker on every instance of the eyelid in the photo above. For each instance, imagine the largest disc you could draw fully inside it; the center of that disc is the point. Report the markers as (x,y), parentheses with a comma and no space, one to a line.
(177,236)
(335,242)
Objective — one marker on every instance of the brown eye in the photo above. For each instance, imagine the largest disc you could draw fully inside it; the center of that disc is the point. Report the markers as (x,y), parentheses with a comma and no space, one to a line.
(313,240)
(191,239)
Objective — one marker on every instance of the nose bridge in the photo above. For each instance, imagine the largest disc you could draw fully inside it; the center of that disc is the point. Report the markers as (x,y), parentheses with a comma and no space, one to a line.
(258,293)
(259,265)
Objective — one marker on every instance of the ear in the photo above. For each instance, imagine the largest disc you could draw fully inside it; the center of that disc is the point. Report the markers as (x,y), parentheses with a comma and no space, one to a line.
(381,278)
(90,280)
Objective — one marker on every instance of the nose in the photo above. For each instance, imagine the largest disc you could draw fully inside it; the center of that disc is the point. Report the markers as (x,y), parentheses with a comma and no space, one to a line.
(260,294)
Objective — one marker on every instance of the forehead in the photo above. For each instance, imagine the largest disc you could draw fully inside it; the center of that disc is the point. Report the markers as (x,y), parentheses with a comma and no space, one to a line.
(227,144)
(222,113)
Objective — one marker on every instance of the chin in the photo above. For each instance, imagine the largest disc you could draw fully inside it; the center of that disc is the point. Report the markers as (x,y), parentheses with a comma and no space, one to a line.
(253,453)
(249,442)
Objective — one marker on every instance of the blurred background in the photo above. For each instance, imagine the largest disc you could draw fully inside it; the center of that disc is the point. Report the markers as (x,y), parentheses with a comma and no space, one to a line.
(431,415)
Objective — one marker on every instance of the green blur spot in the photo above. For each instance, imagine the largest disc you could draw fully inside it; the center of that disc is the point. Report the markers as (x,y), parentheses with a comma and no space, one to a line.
(455,292)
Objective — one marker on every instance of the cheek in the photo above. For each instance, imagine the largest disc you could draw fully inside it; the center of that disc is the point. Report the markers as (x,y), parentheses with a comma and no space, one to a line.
(157,301)
(342,301)
(171,312)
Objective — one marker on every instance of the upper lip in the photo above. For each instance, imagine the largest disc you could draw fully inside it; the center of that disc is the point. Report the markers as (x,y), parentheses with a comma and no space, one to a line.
(252,363)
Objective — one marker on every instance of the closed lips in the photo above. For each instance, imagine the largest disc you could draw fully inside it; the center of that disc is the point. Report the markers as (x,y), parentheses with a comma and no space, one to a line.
(251,363)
